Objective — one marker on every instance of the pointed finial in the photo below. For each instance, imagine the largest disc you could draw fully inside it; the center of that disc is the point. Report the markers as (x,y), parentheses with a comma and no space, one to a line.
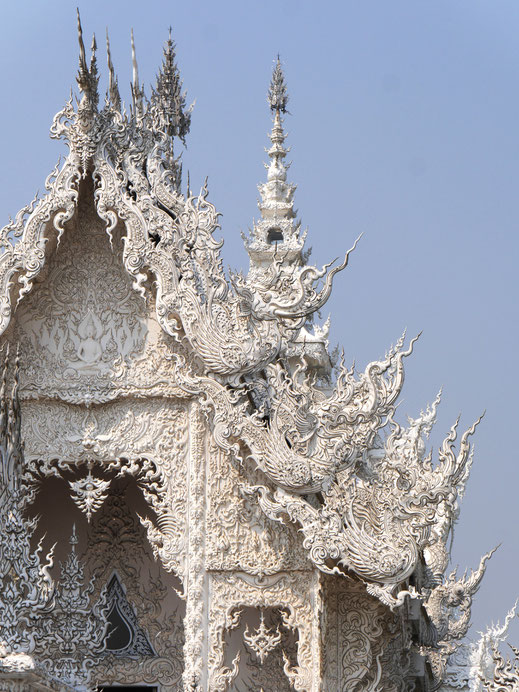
(137,90)
(113,86)
(135,74)
(82,56)
(87,78)
(94,79)
(277,95)
(171,115)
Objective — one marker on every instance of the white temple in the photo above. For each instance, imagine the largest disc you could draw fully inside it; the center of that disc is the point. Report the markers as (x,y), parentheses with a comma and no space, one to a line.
(193,495)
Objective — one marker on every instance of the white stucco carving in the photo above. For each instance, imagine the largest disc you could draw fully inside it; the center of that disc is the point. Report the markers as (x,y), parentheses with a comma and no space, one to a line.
(267,504)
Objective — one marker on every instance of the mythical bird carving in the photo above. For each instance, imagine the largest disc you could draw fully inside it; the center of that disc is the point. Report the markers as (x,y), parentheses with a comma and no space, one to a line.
(379,525)
(449,604)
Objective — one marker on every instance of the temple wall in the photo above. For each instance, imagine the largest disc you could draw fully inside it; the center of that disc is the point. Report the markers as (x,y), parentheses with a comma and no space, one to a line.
(223,598)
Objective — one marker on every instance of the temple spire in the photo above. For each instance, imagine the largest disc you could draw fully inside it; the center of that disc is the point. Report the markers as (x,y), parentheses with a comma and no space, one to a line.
(168,100)
(277,234)
(87,77)
(170,116)
(137,88)
(113,85)
(277,96)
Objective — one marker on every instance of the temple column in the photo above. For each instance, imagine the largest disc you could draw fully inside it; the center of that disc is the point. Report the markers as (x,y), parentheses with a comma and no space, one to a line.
(195,584)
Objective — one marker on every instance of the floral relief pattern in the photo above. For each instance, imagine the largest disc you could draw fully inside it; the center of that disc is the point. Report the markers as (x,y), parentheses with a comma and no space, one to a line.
(358,633)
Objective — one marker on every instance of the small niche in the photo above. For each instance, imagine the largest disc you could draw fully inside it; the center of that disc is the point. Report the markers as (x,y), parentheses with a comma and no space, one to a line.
(275,235)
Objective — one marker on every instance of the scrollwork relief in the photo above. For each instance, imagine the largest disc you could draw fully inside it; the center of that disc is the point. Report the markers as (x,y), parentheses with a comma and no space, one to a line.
(295,594)
(89,493)
(84,333)
(118,543)
(131,429)
(262,641)
(144,439)
(357,634)
(72,629)
(257,629)
(239,536)
(141,357)
(195,649)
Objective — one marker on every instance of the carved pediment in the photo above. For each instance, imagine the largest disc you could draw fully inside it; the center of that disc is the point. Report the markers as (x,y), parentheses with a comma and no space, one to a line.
(85,334)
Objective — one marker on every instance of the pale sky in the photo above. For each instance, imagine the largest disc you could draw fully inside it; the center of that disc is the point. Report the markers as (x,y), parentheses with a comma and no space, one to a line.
(404,125)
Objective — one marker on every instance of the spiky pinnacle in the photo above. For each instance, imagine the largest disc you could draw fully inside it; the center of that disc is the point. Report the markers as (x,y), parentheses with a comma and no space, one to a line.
(94,76)
(113,85)
(168,100)
(82,78)
(87,78)
(277,95)
(136,87)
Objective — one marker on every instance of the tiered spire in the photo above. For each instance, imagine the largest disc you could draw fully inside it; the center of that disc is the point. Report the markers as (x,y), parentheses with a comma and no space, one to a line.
(170,115)
(276,235)
(277,95)
(168,100)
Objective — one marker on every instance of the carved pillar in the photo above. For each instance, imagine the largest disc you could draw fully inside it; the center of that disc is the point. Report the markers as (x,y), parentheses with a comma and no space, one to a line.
(195,581)
(363,641)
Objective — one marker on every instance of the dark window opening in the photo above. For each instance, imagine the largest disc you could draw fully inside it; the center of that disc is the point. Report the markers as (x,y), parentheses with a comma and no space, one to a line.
(119,633)
(124,636)
(275,235)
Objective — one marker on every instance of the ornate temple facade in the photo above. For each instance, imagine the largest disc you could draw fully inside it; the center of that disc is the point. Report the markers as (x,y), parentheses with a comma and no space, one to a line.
(193,495)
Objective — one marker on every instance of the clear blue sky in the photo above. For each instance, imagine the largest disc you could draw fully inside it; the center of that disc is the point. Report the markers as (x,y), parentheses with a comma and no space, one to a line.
(404,125)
